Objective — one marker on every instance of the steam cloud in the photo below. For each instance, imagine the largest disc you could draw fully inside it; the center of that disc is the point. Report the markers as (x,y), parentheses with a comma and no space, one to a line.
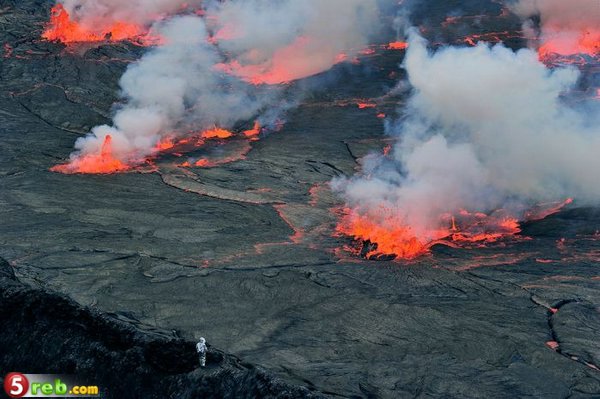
(567,27)
(210,70)
(484,129)
(92,14)
(303,37)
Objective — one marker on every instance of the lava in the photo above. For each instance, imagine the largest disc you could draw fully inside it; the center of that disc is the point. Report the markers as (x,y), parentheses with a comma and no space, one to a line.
(287,64)
(364,105)
(216,133)
(491,37)
(399,240)
(254,132)
(567,47)
(105,162)
(62,28)
(388,236)
(397,45)
(101,163)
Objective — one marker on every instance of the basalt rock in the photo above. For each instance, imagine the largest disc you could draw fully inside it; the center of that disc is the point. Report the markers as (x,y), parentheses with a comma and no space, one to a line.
(48,333)
(246,255)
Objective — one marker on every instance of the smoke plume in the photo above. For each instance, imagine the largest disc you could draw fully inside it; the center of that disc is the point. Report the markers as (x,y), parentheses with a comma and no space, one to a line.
(98,14)
(485,136)
(218,69)
(303,37)
(567,27)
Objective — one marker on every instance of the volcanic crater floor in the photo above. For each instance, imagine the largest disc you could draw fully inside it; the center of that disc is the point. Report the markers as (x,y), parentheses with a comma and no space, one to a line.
(244,253)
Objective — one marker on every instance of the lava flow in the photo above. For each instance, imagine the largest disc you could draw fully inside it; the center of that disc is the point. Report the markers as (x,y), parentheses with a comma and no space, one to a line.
(390,237)
(289,63)
(102,163)
(62,28)
(397,45)
(105,162)
(564,47)
(384,235)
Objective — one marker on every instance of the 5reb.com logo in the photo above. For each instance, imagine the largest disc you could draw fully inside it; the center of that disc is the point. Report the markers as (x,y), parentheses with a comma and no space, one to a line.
(17,385)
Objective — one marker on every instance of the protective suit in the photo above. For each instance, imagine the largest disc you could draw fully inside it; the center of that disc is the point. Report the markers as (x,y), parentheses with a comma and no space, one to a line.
(201,349)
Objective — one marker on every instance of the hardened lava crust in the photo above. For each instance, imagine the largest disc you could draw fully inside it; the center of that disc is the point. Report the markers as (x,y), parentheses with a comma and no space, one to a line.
(101,268)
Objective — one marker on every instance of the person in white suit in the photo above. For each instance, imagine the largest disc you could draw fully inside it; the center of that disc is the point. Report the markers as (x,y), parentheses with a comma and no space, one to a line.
(201,349)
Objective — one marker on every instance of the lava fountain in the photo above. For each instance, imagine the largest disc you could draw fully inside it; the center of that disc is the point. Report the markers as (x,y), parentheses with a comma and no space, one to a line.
(62,28)
(101,163)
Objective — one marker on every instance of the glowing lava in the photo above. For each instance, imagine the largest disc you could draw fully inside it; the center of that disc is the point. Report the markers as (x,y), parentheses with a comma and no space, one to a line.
(62,28)
(383,234)
(364,105)
(254,132)
(102,163)
(397,45)
(292,62)
(216,133)
(398,240)
(561,47)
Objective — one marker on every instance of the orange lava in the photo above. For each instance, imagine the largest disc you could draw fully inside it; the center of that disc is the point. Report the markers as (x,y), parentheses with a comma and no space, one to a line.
(292,62)
(216,133)
(203,163)
(399,240)
(207,163)
(255,131)
(552,345)
(394,238)
(366,105)
(102,163)
(397,45)
(559,46)
(491,37)
(164,145)
(62,28)
(463,229)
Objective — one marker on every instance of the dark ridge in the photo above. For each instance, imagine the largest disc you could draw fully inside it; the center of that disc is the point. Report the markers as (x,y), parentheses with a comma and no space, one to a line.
(43,332)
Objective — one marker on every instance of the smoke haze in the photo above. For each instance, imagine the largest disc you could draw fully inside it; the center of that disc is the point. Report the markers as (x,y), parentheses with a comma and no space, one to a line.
(485,129)
(211,70)
(567,27)
(94,14)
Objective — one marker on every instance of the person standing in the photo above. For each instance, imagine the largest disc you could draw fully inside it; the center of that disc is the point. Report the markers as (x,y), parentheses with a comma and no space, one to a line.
(201,349)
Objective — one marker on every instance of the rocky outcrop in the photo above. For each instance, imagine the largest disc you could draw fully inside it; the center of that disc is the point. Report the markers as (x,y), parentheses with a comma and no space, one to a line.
(48,333)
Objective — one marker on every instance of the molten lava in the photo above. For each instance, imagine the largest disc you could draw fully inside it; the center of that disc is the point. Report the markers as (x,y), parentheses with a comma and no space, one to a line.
(364,105)
(387,235)
(558,47)
(62,28)
(216,133)
(292,62)
(399,240)
(102,163)
(254,132)
(398,45)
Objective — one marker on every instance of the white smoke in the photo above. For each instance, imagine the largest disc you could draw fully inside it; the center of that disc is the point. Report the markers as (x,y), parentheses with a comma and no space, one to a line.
(174,88)
(570,26)
(185,84)
(485,129)
(101,13)
(568,15)
(287,40)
